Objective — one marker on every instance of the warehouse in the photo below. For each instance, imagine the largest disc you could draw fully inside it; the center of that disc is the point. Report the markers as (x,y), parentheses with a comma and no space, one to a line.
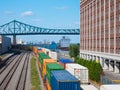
(5,44)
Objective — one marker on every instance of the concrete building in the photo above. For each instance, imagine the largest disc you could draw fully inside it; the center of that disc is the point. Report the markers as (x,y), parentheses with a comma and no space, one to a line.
(64,42)
(5,44)
(100,32)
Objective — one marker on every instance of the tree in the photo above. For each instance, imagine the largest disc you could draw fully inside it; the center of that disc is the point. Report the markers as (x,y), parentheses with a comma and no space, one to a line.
(95,69)
(74,50)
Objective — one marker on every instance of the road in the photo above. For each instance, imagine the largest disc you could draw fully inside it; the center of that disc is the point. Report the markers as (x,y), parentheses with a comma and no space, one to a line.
(112,76)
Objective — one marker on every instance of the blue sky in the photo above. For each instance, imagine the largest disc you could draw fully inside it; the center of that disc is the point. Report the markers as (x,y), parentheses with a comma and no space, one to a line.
(42,13)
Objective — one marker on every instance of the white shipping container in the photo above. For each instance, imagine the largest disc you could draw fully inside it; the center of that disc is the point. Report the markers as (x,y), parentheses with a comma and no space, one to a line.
(110,87)
(47,51)
(79,71)
(53,55)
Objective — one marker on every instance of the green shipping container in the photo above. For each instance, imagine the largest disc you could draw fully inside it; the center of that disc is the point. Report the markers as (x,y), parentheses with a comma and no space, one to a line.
(42,58)
(41,54)
(50,67)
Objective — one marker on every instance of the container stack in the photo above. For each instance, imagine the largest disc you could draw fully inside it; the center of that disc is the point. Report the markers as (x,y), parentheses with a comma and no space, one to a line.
(79,71)
(53,55)
(53,73)
(50,67)
(63,62)
(63,80)
(45,62)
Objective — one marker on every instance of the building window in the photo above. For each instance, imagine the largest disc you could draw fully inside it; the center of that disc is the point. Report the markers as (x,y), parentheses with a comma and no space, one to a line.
(119,6)
(117,30)
(119,17)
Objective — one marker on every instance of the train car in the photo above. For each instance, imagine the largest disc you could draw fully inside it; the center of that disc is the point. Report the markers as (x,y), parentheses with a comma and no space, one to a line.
(47,51)
(63,80)
(63,62)
(48,86)
(50,67)
(39,51)
(35,50)
(53,55)
(79,71)
(41,58)
(47,65)
(45,62)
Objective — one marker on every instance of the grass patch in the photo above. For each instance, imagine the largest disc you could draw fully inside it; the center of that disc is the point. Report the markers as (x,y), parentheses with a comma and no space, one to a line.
(34,75)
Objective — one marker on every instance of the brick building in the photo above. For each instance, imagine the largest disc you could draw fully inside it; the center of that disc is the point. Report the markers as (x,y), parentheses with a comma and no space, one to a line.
(100,29)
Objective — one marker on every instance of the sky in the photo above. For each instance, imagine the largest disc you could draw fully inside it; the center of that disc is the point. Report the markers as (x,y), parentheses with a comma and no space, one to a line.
(43,13)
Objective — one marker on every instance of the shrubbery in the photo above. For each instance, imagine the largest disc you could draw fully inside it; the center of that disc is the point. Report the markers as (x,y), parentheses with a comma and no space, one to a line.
(74,50)
(95,69)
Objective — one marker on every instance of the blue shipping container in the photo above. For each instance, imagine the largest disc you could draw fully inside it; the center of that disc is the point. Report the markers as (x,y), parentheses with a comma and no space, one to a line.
(63,80)
(66,61)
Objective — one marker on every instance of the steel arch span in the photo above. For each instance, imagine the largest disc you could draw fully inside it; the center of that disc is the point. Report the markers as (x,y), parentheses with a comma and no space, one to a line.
(18,28)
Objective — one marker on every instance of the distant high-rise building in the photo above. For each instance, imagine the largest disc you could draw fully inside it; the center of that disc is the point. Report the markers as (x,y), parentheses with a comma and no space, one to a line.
(100,29)
(64,42)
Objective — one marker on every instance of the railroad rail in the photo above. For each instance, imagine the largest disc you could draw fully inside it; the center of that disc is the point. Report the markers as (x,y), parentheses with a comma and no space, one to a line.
(9,73)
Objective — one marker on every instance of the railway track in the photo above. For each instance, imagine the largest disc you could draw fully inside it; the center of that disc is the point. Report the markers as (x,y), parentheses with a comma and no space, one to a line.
(10,60)
(18,62)
(22,79)
(5,61)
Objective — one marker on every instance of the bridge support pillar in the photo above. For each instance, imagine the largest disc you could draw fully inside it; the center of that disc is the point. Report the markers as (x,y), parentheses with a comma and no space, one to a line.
(14,39)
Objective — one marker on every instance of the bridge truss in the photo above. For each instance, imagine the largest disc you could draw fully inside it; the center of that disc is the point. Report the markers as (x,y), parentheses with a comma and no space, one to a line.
(18,28)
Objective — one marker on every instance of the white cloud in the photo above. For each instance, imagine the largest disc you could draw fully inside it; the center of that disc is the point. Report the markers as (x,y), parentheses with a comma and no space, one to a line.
(61,7)
(27,13)
(8,12)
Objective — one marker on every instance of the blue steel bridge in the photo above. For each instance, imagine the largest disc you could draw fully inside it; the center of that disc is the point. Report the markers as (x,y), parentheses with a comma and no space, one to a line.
(18,28)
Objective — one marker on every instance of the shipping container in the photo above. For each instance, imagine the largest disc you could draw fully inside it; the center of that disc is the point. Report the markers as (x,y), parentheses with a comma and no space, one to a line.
(63,80)
(47,51)
(48,87)
(54,55)
(43,50)
(39,51)
(110,87)
(35,50)
(41,54)
(45,62)
(50,67)
(79,71)
(63,62)
(41,59)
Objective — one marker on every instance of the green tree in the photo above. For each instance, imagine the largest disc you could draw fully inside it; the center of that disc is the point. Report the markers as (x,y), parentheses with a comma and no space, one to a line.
(94,68)
(74,50)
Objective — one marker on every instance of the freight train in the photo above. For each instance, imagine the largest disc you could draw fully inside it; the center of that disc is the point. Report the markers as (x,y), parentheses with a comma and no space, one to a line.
(61,74)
